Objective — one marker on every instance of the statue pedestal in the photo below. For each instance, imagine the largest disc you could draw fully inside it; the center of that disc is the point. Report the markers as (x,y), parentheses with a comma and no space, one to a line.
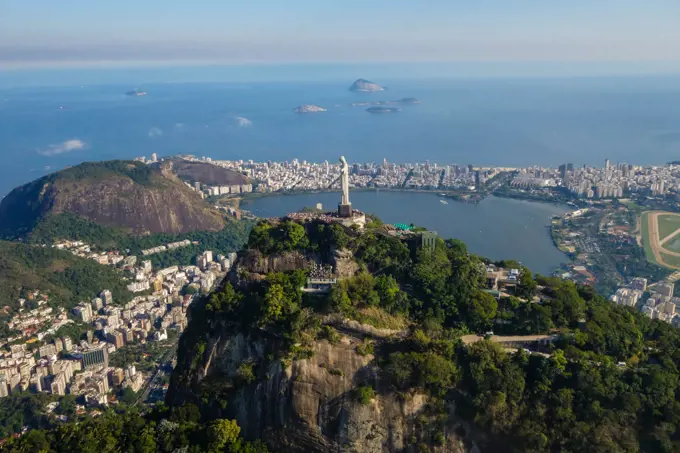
(345,210)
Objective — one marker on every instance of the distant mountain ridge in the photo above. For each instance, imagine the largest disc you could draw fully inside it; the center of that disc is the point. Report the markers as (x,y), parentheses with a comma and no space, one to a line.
(130,195)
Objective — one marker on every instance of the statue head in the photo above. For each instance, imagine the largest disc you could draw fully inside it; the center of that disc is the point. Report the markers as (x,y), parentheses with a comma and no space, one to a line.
(343,161)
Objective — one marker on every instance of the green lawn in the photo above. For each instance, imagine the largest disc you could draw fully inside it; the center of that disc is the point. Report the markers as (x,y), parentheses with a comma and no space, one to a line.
(673,245)
(668,224)
(671,260)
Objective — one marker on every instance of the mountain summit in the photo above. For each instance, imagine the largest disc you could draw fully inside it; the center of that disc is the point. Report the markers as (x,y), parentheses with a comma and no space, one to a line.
(129,195)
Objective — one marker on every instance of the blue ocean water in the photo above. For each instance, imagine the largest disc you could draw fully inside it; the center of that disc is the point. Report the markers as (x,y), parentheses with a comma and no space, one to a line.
(509,122)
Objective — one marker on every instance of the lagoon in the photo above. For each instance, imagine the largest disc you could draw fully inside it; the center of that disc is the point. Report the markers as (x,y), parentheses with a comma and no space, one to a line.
(497,228)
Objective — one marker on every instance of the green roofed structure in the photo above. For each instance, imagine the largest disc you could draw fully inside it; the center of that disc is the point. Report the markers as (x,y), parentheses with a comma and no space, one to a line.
(403,226)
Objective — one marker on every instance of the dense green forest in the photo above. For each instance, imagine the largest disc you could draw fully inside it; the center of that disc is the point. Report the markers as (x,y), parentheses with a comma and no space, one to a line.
(73,227)
(609,383)
(68,279)
(179,429)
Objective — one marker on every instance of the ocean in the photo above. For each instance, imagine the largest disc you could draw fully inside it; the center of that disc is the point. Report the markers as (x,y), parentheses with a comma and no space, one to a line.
(496,228)
(503,122)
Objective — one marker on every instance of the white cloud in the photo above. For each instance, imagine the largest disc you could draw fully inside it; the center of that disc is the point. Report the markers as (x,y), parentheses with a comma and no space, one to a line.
(64,147)
(155,132)
(243,122)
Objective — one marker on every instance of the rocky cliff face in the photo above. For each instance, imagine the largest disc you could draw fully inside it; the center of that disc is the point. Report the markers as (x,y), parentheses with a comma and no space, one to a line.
(305,403)
(119,194)
(310,405)
(257,266)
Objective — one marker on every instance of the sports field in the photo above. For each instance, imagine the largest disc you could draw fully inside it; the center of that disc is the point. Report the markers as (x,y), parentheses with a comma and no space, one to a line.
(661,238)
(668,224)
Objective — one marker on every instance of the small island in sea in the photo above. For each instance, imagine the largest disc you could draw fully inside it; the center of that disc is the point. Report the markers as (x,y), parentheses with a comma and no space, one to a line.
(382,110)
(397,102)
(365,85)
(136,93)
(309,108)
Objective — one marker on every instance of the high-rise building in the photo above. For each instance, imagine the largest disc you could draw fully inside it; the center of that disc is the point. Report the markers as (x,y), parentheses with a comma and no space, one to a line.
(58,386)
(116,338)
(67,343)
(47,350)
(154,157)
(158,285)
(4,388)
(35,383)
(116,376)
(665,289)
(83,311)
(607,164)
(96,358)
(107,297)
(97,303)
(563,171)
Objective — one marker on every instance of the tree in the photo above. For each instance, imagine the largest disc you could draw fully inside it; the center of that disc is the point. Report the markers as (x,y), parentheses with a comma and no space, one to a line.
(567,307)
(260,237)
(127,395)
(67,405)
(339,300)
(480,310)
(526,286)
(226,300)
(293,236)
(222,433)
(274,304)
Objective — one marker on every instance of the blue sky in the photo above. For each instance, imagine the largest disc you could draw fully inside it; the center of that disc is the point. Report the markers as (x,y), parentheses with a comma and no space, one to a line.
(86,32)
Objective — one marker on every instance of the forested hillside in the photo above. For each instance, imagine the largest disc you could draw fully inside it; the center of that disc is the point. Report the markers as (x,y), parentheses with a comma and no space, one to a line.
(389,360)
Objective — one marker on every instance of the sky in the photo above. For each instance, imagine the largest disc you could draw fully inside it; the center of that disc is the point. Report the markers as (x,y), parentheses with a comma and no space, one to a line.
(72,33)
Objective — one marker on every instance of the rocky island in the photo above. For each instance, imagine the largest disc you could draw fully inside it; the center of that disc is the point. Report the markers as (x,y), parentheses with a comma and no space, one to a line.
(397,102)
(365,85)
(382,110)
(407,101)
(309,108)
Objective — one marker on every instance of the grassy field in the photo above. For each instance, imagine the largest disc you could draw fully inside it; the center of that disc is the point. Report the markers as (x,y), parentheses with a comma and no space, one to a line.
(668,224)
(673,245)
(644,227)
(671,260)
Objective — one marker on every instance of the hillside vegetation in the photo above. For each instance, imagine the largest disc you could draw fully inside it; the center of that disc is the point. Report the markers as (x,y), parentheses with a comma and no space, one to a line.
(69,226)
(609,382)
(67,279)
(379,363)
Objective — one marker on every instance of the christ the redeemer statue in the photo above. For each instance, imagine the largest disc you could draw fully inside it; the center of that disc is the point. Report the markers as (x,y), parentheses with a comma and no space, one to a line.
(345,207)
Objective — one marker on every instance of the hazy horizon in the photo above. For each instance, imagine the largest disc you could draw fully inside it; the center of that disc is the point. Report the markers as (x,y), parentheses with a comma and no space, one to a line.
(44,33)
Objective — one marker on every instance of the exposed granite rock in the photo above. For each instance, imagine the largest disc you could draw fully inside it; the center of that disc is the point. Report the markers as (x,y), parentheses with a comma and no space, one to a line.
(344,263)
(124,194)
(304,407)
(255,262)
